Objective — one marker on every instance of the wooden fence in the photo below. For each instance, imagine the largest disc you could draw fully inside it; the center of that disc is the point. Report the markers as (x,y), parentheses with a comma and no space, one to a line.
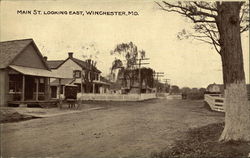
(116,97)
(215,101)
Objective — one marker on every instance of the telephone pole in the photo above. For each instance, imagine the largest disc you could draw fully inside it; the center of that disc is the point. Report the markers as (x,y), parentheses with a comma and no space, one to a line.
(158,74)
(166,82)
(139,75)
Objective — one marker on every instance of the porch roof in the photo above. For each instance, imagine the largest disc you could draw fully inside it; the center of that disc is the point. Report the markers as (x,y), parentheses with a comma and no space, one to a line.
(34,71)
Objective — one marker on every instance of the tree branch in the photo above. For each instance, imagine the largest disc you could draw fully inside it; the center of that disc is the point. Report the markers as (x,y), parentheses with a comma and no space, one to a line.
(201,39)
(192,10)
(188,12)
(241,17)
(243,29)
(204,7)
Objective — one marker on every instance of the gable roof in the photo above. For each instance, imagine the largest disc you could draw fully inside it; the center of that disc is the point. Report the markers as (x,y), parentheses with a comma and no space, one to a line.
(85,65)
(9,50)
(53,64)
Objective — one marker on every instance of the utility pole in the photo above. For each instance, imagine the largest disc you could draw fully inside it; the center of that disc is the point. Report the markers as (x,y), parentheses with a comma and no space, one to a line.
(140,80)
(139,75)
(166,82)
(158,74)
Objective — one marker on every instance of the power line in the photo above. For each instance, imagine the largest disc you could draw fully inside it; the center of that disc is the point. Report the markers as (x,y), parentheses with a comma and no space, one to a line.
(139,77)
(157,75)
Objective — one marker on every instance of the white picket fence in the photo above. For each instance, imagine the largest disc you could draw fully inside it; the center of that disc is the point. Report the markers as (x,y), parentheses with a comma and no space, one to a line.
(116,97)
(215,101)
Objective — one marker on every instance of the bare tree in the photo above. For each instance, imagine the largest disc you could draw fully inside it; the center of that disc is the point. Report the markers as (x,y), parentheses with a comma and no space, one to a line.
(221,24)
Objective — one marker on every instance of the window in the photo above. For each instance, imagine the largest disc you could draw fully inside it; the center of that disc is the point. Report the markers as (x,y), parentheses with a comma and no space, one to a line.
(77,74)
(15,83)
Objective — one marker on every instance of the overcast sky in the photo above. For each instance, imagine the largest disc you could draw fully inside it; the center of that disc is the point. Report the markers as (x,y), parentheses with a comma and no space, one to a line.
(186,62)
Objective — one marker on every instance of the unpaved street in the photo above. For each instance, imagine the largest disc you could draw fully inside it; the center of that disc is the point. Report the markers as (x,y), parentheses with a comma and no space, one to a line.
(117,130)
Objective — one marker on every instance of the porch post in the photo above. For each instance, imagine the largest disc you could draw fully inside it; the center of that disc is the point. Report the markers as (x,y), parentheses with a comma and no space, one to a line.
(81,82)
(46,88)
(59,97)
(37,88)
(49,89)
(23,89)
(59,89)
(93,88)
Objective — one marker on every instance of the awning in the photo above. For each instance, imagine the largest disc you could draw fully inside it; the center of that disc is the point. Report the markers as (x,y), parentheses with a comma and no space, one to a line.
(34,71)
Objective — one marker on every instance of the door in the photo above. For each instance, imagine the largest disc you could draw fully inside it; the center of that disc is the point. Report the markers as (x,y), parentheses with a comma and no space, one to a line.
(53,91)
(29,87)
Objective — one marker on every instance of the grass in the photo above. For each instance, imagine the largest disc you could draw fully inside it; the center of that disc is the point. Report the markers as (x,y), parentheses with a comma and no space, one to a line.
(7,116)
(203,142)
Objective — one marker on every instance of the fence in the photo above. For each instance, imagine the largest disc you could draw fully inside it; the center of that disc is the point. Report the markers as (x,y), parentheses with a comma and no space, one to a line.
(116,97)
(215,101)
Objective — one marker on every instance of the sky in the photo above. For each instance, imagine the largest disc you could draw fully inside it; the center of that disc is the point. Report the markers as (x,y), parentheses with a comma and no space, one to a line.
(185,62)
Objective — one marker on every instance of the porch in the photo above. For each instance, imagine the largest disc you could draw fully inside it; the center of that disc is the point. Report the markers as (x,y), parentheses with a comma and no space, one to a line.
(41,103)
(29,86)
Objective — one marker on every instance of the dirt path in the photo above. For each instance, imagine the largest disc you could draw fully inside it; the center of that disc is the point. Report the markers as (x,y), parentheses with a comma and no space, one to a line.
(133,129)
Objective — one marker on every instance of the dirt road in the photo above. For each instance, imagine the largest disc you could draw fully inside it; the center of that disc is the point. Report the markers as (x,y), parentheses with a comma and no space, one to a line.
(118,130)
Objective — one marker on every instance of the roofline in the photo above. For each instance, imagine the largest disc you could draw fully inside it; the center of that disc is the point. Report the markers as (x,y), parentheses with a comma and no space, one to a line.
(35,46)
(17,40)
(62,63)
(56,66)
(40,54)
(65,61)
(54,60)
(20,51)
(74,62)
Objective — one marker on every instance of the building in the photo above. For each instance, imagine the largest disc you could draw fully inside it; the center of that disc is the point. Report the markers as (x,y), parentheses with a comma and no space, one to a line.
(127,80)
(84,74)
(24,74)
(215,88)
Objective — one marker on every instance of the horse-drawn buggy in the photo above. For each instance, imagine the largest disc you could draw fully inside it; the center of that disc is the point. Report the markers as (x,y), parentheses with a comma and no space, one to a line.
(71,96)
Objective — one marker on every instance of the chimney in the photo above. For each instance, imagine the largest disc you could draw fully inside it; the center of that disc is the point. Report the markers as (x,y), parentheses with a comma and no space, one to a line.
(45,58)
(70,54)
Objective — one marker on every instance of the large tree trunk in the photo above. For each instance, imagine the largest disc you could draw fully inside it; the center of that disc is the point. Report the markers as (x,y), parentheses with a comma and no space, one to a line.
(237,107)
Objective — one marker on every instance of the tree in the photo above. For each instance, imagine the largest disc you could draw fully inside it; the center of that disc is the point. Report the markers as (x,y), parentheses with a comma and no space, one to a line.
(185,90)
(220,24)
(174,89)
(89,75)
(202,90)
(130,52)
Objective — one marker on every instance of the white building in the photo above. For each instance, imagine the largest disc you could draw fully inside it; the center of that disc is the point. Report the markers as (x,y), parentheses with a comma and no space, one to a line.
(78,72)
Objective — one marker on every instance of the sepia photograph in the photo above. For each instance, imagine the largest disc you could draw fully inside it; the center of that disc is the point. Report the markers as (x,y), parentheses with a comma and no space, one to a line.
(124,79)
